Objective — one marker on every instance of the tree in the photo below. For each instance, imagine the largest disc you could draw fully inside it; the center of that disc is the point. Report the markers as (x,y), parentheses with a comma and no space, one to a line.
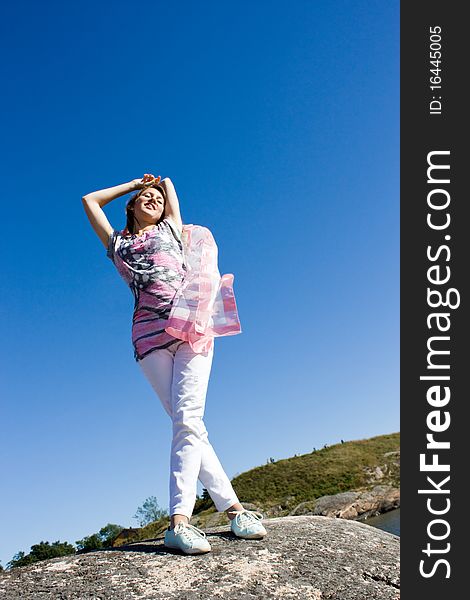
(204,502)
(149,512)
(41,551)
(19,560)
(102,539)
(109,532)
(89,543)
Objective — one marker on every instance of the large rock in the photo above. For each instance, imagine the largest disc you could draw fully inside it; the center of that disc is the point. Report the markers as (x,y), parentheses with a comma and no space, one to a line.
(304,557)
(351,505)
(304,508)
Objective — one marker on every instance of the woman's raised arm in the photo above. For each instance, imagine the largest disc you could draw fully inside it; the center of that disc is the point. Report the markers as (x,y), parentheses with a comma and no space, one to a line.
(172,205)
(93,203)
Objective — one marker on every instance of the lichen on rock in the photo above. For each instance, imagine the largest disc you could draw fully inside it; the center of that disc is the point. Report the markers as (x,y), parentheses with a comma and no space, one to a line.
(308,557)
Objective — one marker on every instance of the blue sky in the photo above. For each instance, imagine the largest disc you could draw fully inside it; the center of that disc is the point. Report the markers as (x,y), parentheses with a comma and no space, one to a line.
(278,123)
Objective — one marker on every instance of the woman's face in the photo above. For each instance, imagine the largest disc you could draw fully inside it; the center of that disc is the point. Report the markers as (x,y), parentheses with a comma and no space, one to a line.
(149,207)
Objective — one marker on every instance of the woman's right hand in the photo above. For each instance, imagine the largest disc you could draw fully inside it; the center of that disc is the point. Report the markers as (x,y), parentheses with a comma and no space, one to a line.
(147,180)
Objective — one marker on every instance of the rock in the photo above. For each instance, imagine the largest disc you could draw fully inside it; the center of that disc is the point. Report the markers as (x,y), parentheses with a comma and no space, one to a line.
(282,508)
(305,557)
(274,510)
(304,508)
(378,473)
(336,505)
(380,499)
(351,505)
(388,473)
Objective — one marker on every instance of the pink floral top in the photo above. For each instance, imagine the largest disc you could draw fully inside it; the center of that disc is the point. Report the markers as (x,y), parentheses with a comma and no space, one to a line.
(152,266)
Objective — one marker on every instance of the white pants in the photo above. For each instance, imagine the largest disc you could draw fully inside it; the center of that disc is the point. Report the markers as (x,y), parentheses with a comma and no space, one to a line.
(180,378)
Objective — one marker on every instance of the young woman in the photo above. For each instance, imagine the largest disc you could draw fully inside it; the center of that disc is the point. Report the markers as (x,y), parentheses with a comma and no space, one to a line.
(149,254)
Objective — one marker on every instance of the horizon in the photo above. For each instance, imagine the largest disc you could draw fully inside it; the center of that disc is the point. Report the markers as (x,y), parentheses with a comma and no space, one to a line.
(313,451)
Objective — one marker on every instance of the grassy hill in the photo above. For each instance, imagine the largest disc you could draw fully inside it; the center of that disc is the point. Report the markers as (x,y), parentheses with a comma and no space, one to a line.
(338,468)
(278,487)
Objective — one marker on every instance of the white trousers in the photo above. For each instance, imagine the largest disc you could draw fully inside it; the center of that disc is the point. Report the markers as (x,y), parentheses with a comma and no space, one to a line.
(180,378)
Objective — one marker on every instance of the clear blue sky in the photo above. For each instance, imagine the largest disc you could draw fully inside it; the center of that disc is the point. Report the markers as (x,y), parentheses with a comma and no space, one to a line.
(278,123)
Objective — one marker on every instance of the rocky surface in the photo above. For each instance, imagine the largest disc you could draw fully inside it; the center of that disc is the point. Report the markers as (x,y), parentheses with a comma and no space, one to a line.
(307,557)
(351,505)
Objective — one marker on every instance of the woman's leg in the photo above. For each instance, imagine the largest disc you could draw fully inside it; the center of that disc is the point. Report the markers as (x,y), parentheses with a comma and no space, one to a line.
(158,369)
(192,455)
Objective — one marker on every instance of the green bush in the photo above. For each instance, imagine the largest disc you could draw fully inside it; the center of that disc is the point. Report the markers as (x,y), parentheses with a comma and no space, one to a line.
(41,551)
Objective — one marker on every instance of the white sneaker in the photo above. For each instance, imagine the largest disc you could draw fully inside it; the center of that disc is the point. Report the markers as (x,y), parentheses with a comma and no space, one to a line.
(247,524)
(187,538)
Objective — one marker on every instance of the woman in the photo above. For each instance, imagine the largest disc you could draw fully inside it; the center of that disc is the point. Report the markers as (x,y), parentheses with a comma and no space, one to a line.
(149,254)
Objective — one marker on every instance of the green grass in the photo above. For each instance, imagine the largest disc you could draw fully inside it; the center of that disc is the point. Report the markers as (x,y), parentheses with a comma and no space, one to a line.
(331,470)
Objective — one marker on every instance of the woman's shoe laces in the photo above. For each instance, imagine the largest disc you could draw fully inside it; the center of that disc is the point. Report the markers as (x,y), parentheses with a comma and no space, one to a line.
(189,532)
(247,516)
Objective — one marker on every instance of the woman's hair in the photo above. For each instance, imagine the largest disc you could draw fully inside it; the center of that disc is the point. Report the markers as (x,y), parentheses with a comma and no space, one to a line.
(130,223)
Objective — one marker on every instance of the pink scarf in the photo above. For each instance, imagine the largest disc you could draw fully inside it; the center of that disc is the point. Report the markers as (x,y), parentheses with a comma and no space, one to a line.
(204,306)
